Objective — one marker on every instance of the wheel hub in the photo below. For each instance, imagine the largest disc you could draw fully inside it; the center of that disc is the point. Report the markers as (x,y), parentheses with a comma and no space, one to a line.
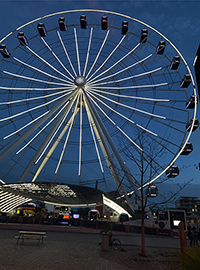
(80,81)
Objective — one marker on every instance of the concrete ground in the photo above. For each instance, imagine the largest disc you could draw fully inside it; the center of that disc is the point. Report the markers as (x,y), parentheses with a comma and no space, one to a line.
(75,249)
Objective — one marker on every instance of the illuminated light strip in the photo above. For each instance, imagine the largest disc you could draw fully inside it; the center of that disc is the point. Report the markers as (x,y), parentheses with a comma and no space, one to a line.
(49,48)
(47,63)
(88,51)
(77,52)
(40,71)
(33,89)
(28,143)
(11,202)
(124,96)
(33,79)
(132,108)
(115,125)
(94,63)
(80,136)
(114,206)
(54,133)
(92,131)
(9,207)
(61,41)
(106,71)
(68,134)
(11,197)
(73,205)
(112,75)
(5,195)
(128,78)
(120,42)
(32,109)
(33,121)
(121,115)
(132,87)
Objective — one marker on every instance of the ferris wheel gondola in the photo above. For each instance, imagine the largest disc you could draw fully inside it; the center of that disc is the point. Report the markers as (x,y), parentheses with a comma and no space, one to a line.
(76,83)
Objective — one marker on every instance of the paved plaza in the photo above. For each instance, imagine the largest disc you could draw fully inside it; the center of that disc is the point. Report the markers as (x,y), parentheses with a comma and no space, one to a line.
(82,251)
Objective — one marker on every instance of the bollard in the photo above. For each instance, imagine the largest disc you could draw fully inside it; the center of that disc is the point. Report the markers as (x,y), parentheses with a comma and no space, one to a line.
(105,242)
(183,240)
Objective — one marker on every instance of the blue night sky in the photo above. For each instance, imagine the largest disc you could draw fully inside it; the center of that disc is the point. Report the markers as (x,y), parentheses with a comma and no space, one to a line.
(179,21)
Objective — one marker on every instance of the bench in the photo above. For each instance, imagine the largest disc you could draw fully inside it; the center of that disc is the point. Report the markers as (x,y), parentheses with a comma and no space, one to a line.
(30,235)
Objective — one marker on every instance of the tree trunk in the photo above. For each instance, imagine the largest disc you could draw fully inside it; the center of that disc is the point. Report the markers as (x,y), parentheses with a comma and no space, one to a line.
(142,235)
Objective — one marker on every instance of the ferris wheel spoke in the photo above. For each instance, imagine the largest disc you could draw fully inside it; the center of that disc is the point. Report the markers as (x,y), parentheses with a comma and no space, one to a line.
(80,137)
(69,96)
(124,69)
(77,52)
(131,108)
(47,63)
(34,108)
(128,78)
(32,89)
(34,98)
(101,133)
(33,79)
(88,51)
(27,133)
(172,106)
(61,121)
(68,135)
(116,63)
(99,53)
(115,125)
(23,127)
(121,115)
(129,97)
(47,141)
(66,53)
(50,152)
(113,51)
(42,129)
(156,118)
(39,70)
(93,136)
(131,87)
(56,57)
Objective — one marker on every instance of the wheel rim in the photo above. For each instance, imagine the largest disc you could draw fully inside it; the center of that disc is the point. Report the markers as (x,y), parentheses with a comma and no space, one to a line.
(59,66)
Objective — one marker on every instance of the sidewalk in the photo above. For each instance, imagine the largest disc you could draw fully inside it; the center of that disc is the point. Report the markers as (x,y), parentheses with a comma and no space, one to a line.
(82,251)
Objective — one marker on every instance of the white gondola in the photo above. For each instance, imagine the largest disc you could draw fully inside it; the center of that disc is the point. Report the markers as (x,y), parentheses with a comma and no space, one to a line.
(161,47)
(22,39)
(172,172)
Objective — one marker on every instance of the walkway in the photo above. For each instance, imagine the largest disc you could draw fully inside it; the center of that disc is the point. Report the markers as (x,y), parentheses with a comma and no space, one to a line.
(76,250)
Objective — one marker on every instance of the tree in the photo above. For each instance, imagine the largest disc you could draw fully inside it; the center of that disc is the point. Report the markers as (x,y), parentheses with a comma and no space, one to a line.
(146,166)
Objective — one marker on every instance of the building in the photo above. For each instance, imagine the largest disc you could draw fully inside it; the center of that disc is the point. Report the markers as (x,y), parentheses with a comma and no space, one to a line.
(189,204)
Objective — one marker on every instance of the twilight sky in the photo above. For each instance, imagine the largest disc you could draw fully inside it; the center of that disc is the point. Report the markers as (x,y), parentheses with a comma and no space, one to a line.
(178,20)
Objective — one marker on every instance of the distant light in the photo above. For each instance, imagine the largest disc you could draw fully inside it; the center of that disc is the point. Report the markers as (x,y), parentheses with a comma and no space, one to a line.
(176,222)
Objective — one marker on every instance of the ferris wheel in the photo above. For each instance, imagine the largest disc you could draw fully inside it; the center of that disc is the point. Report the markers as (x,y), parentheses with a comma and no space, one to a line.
(74,84)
